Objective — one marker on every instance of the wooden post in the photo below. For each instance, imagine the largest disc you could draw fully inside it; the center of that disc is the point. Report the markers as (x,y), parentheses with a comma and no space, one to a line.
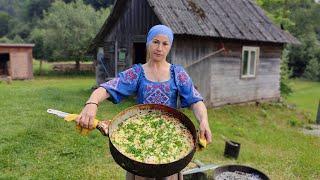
(318,114)
(116,58)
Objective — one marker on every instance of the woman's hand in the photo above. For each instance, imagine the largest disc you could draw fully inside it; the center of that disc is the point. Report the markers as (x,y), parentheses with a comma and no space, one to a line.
(205,132)
(87,116)
(88,113)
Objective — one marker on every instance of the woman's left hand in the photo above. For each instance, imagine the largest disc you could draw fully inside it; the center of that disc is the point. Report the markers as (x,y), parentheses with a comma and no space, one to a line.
(205,131)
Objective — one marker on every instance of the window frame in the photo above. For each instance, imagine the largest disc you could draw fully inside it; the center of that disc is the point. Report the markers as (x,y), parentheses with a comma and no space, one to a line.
(256,61)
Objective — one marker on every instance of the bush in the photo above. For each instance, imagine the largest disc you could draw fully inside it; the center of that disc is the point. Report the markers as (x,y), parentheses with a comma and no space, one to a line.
(285,73)
(312,71)
(295,123)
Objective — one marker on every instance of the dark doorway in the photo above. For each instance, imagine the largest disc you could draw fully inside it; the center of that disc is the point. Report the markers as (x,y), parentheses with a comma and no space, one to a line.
(4,63)
(139,55)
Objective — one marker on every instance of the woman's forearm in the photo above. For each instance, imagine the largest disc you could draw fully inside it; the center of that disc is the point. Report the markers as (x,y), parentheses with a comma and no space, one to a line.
(200,111)
(98,95)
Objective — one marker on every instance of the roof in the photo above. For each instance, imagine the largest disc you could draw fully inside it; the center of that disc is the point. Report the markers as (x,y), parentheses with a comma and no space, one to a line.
(229,19)
(16,45)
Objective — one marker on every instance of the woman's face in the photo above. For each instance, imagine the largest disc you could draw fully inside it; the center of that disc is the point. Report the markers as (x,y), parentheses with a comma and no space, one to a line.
(159,48)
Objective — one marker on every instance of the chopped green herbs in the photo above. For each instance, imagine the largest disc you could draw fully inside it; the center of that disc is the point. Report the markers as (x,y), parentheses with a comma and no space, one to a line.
(152,138)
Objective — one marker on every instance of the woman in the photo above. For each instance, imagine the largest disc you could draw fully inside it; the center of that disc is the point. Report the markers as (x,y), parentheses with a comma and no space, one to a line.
(156,82)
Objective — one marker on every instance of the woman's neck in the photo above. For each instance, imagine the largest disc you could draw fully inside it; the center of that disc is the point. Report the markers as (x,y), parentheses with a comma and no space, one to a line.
(157,64)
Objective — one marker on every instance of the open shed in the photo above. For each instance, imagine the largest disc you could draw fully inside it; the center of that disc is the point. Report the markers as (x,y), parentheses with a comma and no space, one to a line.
(16,61)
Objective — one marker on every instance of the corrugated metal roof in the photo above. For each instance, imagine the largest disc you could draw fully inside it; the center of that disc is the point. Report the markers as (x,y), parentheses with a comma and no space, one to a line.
(231,19)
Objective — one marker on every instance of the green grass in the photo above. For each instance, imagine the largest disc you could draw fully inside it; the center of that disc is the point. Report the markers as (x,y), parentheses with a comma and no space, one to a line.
(36,145)
(306,96)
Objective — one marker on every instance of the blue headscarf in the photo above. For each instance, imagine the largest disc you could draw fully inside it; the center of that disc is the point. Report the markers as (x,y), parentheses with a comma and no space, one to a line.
(160,29)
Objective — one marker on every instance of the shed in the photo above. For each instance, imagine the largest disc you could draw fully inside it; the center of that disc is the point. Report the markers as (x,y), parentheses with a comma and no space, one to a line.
(16,61)
(230,48)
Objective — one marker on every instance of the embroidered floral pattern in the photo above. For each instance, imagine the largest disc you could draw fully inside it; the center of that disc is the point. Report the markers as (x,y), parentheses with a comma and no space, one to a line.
(157,97)
(131,75)
(157,93)
(182,78)
(113,83)
(196,93)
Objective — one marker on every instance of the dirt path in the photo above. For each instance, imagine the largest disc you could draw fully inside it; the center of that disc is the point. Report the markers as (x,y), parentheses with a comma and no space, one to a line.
(314,130)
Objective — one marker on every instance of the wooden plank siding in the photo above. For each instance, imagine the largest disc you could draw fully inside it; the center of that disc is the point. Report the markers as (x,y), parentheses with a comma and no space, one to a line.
(136,19)
(218,77)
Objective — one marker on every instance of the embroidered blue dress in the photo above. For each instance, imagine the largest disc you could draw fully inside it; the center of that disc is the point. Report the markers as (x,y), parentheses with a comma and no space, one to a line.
(134,81)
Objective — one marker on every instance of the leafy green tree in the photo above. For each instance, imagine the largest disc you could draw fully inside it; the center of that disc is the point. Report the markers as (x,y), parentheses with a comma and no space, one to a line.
(5,40)
(302,19)
(35,8)
(98,4)
(67,29)
(18,27)
(40,51)
(4,21)
(16,39)
(300,56)
(312,71)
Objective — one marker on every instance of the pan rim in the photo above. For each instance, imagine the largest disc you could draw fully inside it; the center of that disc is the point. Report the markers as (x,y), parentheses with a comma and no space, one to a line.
(258,172)
(192,150)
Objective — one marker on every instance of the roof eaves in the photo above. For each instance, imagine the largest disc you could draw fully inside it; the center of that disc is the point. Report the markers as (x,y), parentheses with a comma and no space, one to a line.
(107,24)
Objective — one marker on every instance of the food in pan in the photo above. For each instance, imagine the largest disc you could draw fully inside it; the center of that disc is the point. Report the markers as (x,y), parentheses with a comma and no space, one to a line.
(153,138)
(237,175)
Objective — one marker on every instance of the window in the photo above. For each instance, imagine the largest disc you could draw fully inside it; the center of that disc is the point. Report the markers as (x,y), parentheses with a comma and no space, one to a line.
(250,57)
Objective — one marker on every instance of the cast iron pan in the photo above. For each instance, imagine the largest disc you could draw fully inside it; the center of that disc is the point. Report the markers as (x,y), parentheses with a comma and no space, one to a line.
(144,169)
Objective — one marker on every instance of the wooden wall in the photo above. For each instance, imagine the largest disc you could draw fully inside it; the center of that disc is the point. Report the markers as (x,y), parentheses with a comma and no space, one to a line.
(187,50)
(131,24)
(218,77)
(228,88)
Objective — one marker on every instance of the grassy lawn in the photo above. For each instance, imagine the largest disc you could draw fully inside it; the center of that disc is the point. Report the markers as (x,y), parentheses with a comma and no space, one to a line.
(306,96)
(36,145)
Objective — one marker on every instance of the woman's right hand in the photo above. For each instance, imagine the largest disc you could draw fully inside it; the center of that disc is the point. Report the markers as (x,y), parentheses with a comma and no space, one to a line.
(87,116)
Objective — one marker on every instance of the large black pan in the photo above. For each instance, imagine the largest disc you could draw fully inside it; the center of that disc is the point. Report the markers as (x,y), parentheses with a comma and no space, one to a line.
(240,168)
(144,169)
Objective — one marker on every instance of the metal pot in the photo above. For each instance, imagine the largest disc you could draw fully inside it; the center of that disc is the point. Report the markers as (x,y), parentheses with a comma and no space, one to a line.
(239,168)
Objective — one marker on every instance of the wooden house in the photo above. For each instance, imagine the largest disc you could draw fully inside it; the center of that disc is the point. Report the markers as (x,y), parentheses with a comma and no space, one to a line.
(230,48)
(16,61)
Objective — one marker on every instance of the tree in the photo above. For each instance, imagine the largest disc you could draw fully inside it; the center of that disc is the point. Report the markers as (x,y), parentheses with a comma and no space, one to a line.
(302,19)
(4,21)
(312,71)
(39,51)
(98,4)
(35,8)
(67,29)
